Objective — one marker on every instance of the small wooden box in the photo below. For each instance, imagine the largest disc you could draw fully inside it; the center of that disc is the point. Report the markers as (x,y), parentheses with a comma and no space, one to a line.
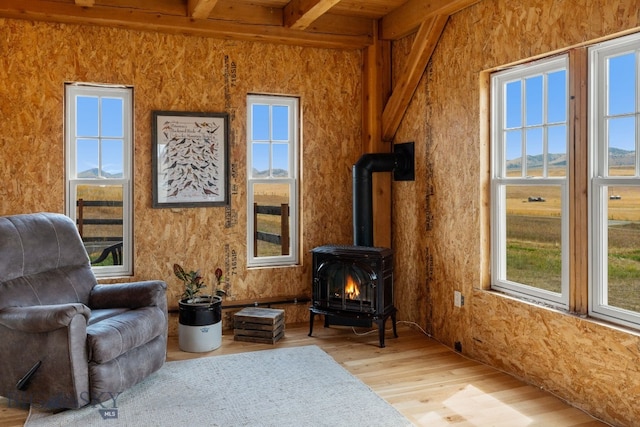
(261,325)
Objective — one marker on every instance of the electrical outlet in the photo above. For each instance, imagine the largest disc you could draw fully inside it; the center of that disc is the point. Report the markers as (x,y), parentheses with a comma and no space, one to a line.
(458,299)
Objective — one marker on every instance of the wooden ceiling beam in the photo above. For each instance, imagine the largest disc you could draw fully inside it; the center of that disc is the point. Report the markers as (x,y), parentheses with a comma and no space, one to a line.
(406,19)
(200,9)
(145,20)
(424,44)
(299,14)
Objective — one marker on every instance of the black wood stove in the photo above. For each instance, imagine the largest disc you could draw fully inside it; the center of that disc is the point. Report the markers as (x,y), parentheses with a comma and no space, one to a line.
(353,286)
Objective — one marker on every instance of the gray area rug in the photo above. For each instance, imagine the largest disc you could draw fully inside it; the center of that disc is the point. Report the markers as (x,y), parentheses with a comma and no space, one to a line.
(298,386)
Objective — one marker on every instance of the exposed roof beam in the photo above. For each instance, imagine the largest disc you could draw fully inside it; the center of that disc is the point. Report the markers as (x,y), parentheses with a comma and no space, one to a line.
(145,20)
(200,9)
(299,14)
(85,3)
(424,44)
(407,18)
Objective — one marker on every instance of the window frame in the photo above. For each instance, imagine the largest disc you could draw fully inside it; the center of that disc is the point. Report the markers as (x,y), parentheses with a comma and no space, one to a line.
(72,90)
(599,176)
(500,181)
(292,180)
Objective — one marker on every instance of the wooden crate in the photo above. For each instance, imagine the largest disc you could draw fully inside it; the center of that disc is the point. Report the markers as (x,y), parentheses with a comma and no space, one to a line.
(261,325)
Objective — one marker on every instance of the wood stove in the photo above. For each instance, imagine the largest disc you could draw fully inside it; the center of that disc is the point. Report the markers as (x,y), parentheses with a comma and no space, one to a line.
(353,286)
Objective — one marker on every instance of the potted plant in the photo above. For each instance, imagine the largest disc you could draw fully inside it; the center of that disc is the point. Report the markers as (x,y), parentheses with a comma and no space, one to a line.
(200,316)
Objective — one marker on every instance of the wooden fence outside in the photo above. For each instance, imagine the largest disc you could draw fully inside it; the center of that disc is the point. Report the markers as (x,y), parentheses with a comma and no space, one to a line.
(281,239)
(113,243)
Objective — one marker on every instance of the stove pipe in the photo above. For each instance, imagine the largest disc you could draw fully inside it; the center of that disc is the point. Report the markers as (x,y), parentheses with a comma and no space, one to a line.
(401,162)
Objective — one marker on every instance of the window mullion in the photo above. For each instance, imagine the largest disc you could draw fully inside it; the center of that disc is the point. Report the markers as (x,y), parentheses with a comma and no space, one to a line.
(578,166)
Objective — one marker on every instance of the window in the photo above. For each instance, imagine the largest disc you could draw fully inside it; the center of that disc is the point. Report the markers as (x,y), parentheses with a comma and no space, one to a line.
(272,180)
(529,182)
(615,180)
(534,170)
(98,164)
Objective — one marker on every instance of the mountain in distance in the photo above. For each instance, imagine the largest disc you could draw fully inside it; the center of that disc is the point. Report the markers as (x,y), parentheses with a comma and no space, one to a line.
(95,172)
(279,173)
(617,157)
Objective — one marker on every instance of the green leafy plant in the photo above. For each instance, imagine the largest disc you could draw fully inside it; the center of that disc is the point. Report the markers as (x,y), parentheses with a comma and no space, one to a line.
(194,283)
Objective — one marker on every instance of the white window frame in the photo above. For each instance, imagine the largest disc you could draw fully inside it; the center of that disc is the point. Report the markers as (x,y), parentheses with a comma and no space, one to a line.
(500,181)
(292,180)
(72,91)
(599,174)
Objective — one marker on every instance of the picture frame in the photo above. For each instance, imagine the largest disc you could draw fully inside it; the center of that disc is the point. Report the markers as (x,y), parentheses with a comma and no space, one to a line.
(190,159)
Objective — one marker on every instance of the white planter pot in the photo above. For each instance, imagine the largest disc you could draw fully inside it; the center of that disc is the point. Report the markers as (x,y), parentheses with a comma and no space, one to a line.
(200,324)
(198,339)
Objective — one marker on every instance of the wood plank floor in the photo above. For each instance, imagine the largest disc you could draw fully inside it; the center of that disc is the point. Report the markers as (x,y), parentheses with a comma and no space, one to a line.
(426,381)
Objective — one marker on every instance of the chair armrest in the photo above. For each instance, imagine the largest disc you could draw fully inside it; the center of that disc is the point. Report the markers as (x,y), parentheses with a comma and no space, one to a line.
(147,293)
(42,318)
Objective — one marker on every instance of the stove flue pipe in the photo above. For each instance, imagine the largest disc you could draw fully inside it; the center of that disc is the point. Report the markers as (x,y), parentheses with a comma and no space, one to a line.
(401,161)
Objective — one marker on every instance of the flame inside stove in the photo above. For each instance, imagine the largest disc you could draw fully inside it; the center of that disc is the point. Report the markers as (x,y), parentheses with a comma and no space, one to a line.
(351,289)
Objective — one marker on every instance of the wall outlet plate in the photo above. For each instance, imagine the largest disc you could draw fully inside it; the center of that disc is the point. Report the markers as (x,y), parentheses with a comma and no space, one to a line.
(458,299)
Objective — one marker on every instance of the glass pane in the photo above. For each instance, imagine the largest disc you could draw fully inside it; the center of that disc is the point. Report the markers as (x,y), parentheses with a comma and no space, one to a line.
(513,153)
(557,150)
(623,288)
(280,163)
(557,97)
(514,104)
(260,159)
(280,122)
(348,286)
(271,216)
(111,124)
(621,137)
(260,122)
(112,158)
(535,160)
(87,158)
(87,116)
(621,84)
(99,216)
(534,236)
(533,105)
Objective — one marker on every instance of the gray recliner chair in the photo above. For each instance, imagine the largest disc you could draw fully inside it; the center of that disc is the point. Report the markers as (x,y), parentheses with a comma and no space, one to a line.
(65,340)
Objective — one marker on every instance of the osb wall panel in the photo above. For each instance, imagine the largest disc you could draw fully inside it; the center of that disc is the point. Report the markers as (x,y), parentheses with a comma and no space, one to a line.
(410,216)
(591,365)
(172,72)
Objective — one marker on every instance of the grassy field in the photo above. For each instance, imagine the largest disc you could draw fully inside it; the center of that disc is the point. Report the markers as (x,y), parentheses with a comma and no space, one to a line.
(534,242)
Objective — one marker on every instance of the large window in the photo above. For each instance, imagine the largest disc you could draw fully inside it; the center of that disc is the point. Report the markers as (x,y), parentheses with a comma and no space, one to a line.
(615,180)
(529,186)
(581,253)
(98,165)
(272,180)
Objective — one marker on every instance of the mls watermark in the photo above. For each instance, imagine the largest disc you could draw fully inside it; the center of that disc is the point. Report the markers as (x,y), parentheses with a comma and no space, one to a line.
(106,402)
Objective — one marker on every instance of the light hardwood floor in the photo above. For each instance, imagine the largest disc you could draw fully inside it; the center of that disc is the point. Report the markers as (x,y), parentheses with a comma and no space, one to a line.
(429,383)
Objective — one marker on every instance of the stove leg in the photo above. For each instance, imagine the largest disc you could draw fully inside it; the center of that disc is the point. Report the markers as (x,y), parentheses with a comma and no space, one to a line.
(311,323)
(381,323)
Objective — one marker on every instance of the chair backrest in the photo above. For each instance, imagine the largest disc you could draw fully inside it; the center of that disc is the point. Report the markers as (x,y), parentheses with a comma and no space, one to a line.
(42,261)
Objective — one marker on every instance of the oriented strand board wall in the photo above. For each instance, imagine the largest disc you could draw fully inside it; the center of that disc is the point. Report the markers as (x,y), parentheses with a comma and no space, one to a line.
(591,365)
(172,72)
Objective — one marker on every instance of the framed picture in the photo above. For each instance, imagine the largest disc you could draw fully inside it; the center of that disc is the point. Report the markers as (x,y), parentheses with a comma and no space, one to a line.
(190,159)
